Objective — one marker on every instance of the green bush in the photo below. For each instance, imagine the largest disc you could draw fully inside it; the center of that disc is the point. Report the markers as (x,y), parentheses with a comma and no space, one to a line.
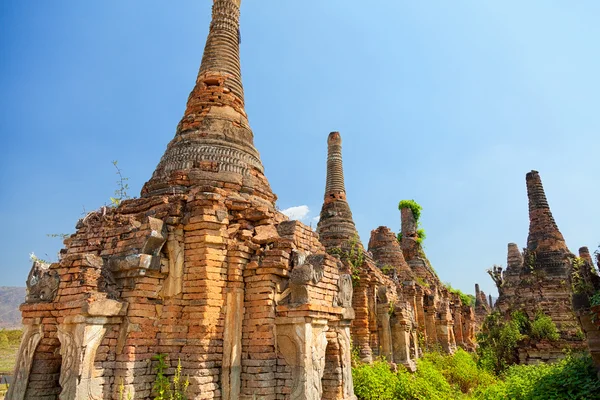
(571,378)
(438,377)
(374,382)
(498,342)
(466,299)
(543,327)
(416,209)
(413,206)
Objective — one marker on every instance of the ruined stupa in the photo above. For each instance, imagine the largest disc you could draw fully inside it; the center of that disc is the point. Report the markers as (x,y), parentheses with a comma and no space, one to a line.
(538,280)
(201,269)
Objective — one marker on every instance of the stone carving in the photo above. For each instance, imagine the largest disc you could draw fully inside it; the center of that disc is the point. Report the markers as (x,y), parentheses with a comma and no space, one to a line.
(346,361)
(309,272)
(78,346)
(290,346)
(42,283)
(303,346)
(135,263)
(344,295)
(174,283)
(32,334)
(318,362)
(382,296)
(68,374)
(157,238)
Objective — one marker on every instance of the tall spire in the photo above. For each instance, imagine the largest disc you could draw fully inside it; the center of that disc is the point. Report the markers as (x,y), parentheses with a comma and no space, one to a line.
(334,186)
(543,231)
(336,226)
(213,142)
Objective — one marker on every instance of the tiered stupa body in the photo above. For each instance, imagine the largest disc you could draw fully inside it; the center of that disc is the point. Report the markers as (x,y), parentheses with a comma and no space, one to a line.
(336,226)
(201,269)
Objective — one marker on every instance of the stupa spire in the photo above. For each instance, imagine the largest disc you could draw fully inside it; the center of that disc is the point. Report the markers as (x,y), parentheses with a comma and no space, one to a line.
(336,226)
(213,143)
(335,170)
(543,231)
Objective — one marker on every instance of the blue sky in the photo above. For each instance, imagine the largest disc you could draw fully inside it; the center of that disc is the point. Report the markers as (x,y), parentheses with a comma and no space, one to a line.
(447,103)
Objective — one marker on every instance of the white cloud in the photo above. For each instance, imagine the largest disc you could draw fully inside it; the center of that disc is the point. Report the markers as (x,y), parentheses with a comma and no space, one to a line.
(316,219)
(297,212)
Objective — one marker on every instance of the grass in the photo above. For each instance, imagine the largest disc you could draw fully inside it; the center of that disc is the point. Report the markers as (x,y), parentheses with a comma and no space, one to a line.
(9,346)
(8,358)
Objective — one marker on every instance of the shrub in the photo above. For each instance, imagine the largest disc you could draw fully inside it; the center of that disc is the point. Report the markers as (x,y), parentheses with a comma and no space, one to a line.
(466,299)
(416,209)
(543,327)
(571,378)
(498,342)
(413,206)
(438,377)
(374,382)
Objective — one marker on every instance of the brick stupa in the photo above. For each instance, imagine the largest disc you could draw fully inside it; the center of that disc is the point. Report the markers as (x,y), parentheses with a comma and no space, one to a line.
(201,269)
(538,280)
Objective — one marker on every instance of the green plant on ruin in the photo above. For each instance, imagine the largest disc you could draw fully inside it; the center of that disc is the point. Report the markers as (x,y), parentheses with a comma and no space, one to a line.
(465,299)
(413,206)
(386,269)
(353,254)
(35,258)
(595,299)
(421,235)
(122,187)
(165,389)
(499,338)
(416,209)
(542,327)
(578,282)
(123,395)
(421,281)
(498,341)
(392,308)
(529,259)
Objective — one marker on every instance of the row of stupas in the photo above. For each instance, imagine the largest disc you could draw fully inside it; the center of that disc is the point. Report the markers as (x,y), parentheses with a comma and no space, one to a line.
(399,301)
(203,269)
